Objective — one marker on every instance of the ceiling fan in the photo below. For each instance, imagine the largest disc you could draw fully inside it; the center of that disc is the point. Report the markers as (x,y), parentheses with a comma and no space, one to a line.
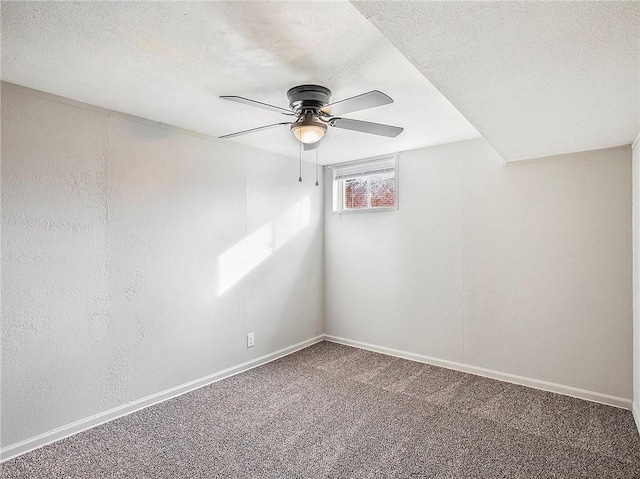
(312,112)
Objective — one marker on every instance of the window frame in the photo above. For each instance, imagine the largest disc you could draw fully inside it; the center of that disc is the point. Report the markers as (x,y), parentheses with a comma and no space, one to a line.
(338,190)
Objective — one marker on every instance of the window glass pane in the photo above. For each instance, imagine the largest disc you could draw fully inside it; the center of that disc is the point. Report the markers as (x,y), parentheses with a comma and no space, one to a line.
(355,194)
(383,191)
(365,185)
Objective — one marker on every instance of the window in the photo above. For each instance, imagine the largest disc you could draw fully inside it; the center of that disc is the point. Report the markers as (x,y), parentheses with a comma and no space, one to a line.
(368,185)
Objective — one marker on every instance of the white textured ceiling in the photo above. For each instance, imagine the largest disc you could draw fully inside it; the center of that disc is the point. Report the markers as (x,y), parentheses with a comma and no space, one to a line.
(169,62)
(535,78)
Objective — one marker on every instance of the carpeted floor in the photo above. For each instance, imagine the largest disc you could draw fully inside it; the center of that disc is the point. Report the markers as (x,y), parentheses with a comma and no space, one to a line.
(335,411)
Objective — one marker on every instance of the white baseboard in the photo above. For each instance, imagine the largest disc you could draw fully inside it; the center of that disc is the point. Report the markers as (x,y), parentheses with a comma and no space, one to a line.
(67,430)
(636,413)
(500,376)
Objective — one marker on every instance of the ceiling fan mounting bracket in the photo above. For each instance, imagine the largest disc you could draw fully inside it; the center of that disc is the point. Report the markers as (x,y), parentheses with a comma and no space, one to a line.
(308,97)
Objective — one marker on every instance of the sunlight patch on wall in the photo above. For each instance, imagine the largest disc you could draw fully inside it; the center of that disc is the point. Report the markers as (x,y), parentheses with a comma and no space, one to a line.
(239,260)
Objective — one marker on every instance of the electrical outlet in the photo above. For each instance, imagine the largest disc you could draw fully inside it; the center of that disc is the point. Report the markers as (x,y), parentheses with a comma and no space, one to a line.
(250,340)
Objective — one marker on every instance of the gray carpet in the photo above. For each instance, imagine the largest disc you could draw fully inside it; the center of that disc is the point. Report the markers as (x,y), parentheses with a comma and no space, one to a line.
(335,411)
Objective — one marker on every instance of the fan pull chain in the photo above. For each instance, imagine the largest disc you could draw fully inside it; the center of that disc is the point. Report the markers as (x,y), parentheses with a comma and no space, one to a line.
(300,163)
(317,184)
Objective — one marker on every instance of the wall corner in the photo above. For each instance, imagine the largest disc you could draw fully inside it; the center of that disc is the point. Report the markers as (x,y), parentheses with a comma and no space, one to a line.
(636,277)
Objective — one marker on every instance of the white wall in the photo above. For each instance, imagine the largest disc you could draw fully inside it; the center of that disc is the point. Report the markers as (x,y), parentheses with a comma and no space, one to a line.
(522,269)
(636,282)
(136,258)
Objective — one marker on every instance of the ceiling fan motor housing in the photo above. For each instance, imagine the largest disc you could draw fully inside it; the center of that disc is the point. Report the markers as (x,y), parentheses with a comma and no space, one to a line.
(308,97)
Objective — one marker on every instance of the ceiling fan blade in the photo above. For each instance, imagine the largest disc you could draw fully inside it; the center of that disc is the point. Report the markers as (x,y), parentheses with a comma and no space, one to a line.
(356,103)
(366,127)
(259,104)
(252,130)
(311,146)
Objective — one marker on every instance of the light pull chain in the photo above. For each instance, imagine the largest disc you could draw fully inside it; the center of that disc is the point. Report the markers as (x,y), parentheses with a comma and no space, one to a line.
(300,163)
(317,183)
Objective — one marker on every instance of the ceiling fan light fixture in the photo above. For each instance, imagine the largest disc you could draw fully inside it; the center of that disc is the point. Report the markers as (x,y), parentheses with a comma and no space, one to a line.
(309,130)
